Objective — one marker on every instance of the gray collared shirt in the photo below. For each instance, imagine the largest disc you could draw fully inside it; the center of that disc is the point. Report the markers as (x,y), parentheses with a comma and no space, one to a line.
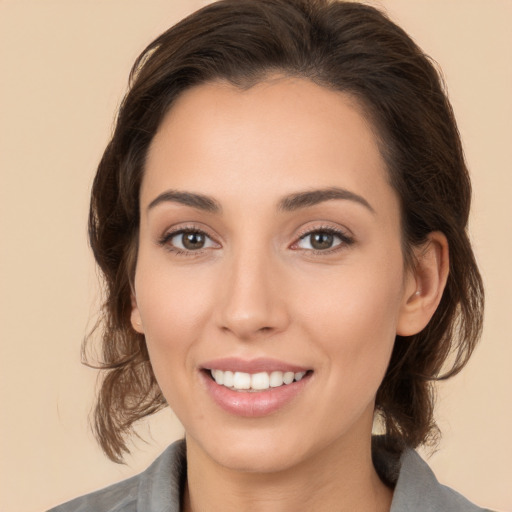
(158,489)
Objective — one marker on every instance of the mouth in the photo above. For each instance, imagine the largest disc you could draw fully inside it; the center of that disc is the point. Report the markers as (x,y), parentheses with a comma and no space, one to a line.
(254,388)
(255,382)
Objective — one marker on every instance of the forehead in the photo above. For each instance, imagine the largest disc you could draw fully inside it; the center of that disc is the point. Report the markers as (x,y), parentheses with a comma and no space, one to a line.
(279,136)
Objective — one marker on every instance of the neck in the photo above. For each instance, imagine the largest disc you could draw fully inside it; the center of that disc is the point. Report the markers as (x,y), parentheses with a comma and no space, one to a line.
(341,478)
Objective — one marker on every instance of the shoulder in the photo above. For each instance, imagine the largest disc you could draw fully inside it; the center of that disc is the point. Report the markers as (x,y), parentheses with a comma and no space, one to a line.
(158,485)
(118,497)
(415,486)
(418,489)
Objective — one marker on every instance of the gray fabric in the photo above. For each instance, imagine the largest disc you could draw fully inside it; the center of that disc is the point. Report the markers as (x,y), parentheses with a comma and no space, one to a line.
(417,489)
(158,489)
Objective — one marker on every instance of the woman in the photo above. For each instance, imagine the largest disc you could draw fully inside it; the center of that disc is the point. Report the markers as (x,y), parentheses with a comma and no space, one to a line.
(280,219)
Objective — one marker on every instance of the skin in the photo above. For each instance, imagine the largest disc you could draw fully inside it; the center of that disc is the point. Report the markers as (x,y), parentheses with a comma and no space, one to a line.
(258,289)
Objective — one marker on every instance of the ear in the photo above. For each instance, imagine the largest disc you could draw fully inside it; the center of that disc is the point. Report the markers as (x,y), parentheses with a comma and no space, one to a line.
(424,284)
(135,316)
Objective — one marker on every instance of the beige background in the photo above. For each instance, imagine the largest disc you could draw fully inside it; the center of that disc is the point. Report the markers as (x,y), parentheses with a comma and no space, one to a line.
(63,68)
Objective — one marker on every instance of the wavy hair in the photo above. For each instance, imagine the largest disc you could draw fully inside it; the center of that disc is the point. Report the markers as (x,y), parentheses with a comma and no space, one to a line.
(344,46)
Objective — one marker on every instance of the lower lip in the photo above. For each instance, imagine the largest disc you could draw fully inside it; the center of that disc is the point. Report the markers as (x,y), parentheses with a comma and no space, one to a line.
(253,404)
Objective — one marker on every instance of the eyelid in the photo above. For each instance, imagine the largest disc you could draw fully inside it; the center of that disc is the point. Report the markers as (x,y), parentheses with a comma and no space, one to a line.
(343,234)
(178,229)
(346,238)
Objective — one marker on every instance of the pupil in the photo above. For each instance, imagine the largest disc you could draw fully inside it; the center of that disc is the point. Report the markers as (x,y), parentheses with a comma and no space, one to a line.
(193,240)
(322,240)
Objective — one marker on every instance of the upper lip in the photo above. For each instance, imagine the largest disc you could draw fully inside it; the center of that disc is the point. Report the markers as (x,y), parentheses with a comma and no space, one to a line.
(261,364)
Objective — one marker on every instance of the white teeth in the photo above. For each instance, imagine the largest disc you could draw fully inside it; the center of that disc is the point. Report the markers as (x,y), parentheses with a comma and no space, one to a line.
(218,375)
(276,379)
(228,378)
(241,380)
(288,377)
(261,381)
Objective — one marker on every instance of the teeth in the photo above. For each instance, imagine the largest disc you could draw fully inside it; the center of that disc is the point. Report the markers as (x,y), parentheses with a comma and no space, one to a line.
(228,378)
(276,379)
(218,376)
(261,381)
(288,377)
(241,380)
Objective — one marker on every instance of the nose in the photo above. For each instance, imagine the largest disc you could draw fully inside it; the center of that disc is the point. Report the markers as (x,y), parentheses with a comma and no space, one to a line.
(252,303)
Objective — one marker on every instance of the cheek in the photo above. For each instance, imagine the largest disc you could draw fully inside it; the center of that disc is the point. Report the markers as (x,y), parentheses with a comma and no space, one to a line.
(172,314)
(173,308)
(352,327)
(357,296)
(352,316)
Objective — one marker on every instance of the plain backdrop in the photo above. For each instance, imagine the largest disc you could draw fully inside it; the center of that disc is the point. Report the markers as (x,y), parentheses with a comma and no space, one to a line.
(63,70)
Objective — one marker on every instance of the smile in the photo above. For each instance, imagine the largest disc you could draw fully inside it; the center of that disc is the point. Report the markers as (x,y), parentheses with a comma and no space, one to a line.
(254,388)
(261,381)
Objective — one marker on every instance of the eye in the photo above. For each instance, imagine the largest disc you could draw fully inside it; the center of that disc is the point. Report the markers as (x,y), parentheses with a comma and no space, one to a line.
(187,240)
(322,240)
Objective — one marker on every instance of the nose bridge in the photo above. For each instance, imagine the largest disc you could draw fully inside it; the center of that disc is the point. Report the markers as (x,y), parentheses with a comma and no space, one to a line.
(251,301)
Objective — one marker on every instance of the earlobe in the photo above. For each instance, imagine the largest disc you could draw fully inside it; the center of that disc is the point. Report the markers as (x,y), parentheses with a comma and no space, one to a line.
(425,284)
(135,316)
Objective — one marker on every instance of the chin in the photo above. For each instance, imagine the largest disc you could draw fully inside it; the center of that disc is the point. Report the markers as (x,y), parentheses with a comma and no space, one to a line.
(257,460)
(257,451)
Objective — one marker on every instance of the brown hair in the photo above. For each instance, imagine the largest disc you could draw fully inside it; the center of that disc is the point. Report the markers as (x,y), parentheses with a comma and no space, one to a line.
(344,46)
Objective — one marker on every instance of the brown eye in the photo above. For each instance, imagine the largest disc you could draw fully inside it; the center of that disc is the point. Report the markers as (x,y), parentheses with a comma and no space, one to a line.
(322,240)
(193,241)
(188,241)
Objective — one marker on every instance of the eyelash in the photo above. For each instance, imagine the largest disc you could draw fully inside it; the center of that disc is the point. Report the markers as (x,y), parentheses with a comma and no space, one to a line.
(345,239)
(167,237)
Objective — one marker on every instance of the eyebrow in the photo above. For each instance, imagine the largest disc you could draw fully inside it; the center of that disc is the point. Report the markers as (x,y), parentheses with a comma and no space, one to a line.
(199,201)
(311,198)
(289,203)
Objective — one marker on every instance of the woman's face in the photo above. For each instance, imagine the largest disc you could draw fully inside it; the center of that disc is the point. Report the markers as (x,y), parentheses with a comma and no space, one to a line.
(270,246)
